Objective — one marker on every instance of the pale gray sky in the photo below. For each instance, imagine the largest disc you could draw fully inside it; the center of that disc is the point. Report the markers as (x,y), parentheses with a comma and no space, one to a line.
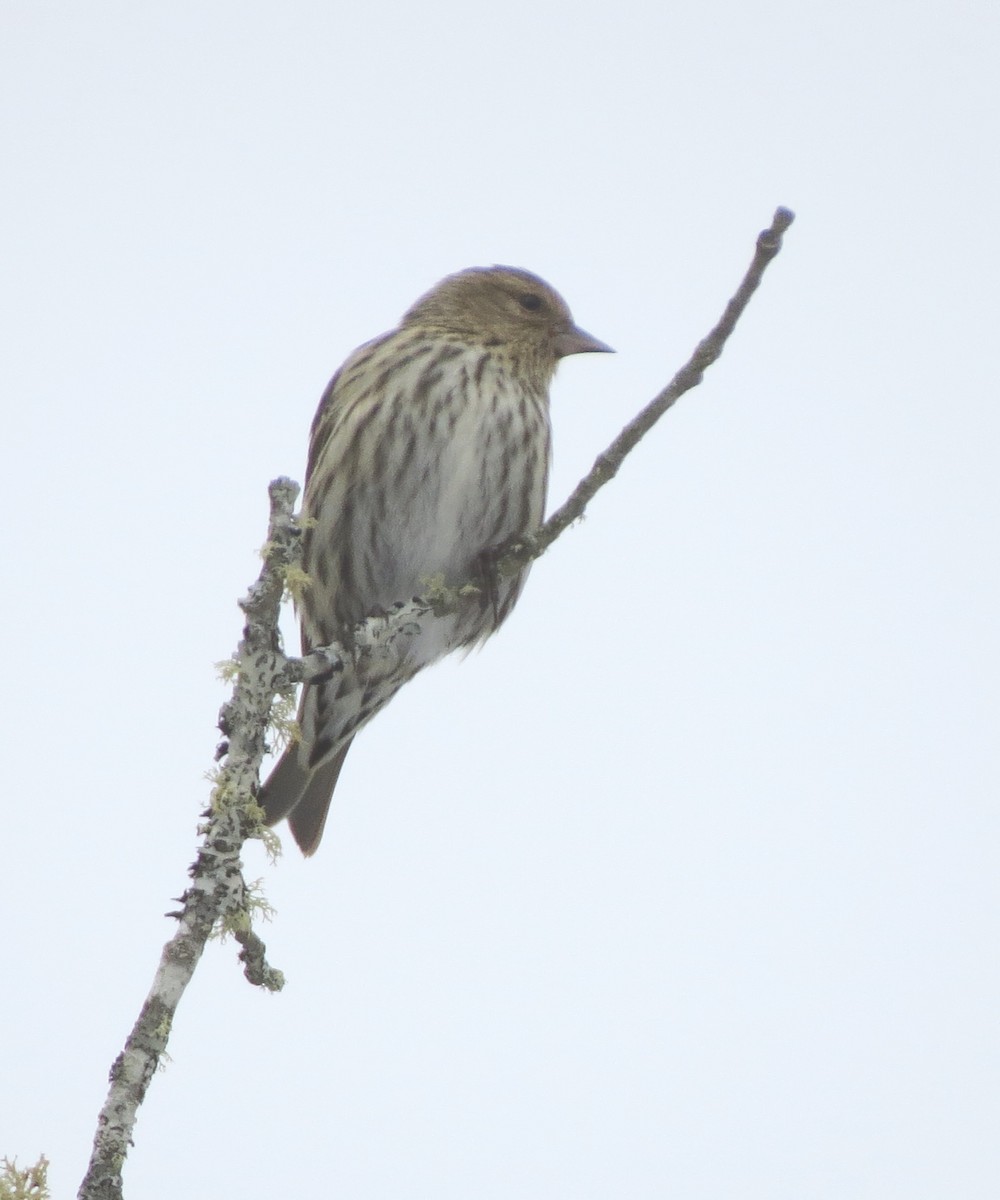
(687,884)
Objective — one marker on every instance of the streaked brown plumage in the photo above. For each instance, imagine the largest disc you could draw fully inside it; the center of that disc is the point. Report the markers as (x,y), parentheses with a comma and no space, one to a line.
(430,447)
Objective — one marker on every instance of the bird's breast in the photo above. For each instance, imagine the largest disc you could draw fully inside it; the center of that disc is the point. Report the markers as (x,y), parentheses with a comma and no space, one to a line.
(469,471)
(422,468)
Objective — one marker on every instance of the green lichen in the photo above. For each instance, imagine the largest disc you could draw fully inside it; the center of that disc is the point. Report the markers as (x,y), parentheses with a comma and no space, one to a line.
(30,1184)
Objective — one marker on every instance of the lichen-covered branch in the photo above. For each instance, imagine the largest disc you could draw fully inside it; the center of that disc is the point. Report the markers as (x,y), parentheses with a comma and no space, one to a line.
(217,894)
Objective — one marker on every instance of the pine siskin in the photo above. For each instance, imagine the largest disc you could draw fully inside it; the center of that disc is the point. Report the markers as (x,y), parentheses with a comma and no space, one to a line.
(430,447)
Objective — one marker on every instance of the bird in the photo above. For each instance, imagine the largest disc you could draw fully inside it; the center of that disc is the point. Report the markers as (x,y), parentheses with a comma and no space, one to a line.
(430,448)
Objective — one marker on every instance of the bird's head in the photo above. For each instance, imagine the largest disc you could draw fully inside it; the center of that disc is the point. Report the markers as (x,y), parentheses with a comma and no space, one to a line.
(507,308)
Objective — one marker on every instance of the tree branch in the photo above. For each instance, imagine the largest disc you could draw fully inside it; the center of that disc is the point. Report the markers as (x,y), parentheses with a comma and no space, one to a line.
(218,893)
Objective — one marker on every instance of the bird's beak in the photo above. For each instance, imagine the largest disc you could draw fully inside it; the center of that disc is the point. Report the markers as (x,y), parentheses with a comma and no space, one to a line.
(574,340)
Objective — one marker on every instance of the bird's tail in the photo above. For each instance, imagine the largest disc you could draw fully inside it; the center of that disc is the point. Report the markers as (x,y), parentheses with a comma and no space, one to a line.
(302,794)
(330,714)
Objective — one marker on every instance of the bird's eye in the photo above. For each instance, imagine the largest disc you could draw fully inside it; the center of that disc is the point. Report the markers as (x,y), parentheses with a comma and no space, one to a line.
(530,301)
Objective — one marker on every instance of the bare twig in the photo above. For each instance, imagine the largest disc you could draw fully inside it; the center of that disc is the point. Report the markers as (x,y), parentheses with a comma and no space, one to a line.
(509,560)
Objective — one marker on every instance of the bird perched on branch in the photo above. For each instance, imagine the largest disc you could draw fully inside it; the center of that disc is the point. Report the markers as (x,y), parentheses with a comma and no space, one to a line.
(429,449)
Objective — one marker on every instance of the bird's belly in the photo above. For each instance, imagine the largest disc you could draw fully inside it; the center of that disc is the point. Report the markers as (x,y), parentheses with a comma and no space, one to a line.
(466,498)
(448,517)
(469,494)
